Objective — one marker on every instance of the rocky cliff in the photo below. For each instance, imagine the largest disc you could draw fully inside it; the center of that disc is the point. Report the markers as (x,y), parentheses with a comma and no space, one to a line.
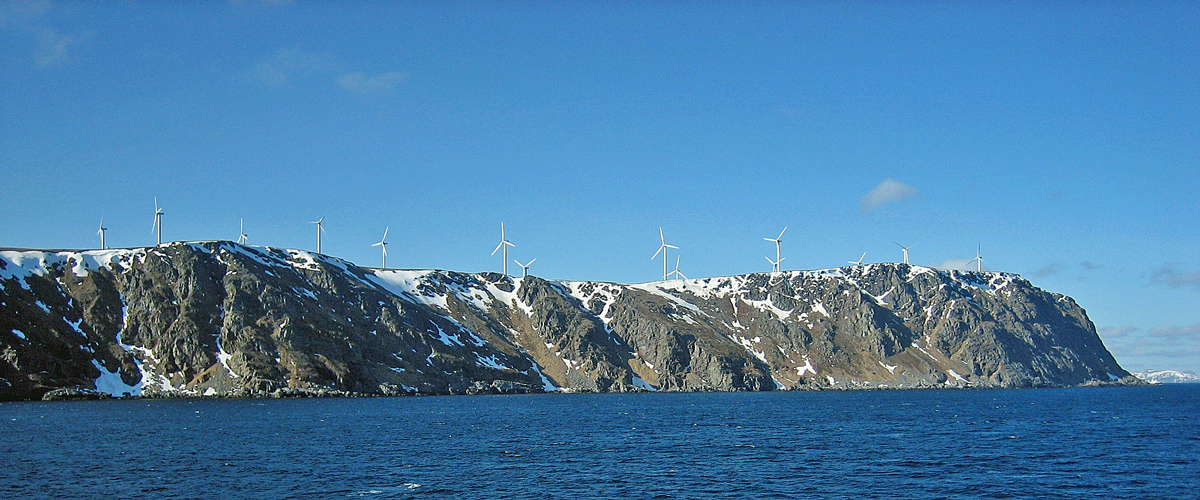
(222,319)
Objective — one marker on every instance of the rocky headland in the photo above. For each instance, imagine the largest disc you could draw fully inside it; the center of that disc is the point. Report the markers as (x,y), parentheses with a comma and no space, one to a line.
(229,320)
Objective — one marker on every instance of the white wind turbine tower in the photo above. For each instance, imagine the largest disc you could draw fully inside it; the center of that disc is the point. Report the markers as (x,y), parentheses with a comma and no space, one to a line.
(103,244)
(320,229)
(524,267)
(676,273)
(242,232)
(859,261)
(777,239)
(158,213)
(504,243)
(775,264)
(905,250)
(383,243)
(978,260)
(663,249)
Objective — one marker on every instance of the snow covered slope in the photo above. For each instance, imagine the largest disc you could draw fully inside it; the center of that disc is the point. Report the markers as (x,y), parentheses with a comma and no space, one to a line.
(218,318)
(1168,377)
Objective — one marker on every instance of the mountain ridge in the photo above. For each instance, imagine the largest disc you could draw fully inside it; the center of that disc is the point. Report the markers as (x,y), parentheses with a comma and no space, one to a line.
(223,319)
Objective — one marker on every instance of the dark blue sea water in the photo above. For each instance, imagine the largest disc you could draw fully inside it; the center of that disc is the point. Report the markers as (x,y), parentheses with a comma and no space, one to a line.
(1066,443)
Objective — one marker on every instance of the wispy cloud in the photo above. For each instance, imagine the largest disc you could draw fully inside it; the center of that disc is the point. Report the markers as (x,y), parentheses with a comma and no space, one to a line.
(1116,332)
(1163,346)
(383,83)
(290,66)
(260,2)
(280,70)
(958,264)
(1091,266)
(18,13)
(54,48)
(888,191)
(1172,276)
(1048,270)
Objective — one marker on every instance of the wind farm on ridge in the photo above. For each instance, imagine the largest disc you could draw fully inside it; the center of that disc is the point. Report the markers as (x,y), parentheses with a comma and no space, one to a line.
(504,245)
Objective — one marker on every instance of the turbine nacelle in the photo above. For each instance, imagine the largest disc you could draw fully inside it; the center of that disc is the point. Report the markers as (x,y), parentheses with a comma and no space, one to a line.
(383,243)
(676,273)
(663,250)
(905,250)
(157,225)
(504,243)
(320,229)
(242,232)
(525,267)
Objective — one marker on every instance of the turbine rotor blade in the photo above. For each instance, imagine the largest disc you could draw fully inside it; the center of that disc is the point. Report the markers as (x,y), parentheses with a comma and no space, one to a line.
(660,249)
(497,248)
(671,246)
(530,263)
(780,237)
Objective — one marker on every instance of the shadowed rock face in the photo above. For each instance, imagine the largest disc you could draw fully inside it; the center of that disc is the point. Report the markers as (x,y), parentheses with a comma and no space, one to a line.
(223,319)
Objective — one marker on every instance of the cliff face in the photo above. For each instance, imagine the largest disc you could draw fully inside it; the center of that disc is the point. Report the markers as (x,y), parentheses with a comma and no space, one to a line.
(217,318)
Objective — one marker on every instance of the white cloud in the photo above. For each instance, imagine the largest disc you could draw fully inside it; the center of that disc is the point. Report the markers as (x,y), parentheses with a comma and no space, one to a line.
(888,191)
(1175,347)
(382,83)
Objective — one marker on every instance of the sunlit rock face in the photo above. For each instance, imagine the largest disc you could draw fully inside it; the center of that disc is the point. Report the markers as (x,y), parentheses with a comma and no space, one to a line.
(223,319)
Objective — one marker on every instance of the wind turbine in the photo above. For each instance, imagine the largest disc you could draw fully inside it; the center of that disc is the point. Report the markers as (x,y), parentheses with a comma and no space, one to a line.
(504,243)
(383,243)
(905,250)
(663,249)
(859,261)
(320,229)
(242,232)
(103,245)
(978,260)
(775,264)
(678,275)
(776,239)
(158,213)
(524,267)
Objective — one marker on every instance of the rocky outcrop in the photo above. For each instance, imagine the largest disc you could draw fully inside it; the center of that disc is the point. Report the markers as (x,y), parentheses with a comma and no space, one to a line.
(222,319)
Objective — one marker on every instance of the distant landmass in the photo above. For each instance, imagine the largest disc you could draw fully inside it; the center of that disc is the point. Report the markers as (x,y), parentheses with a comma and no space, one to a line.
(1168,377)
(229,320)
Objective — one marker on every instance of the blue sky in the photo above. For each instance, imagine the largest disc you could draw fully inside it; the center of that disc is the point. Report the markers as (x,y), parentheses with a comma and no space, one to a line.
(1064,139)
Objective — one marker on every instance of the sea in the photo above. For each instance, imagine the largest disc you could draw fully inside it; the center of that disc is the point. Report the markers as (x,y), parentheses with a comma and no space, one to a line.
(1104,442)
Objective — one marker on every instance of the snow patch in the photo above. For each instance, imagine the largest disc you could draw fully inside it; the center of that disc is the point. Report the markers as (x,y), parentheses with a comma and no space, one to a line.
(111,383)
(638,382)
(818,307)
(807,368)
(491,362)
